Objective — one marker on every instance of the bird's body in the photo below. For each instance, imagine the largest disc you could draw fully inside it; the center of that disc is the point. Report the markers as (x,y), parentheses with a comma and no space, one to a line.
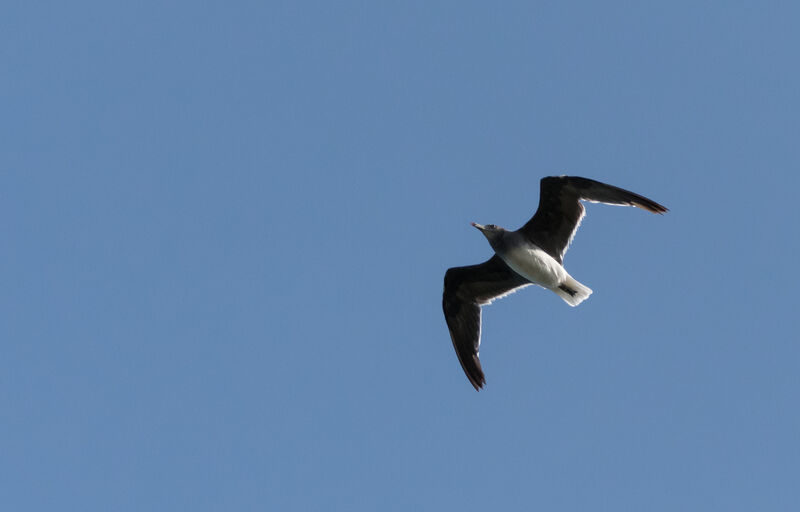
(533,263)
(532,254)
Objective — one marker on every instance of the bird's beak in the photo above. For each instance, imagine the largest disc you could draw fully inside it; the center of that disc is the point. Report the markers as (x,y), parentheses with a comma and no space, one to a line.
(476,225)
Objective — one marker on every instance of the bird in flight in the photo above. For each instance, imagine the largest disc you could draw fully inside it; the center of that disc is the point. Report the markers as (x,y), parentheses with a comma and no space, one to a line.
(533,254)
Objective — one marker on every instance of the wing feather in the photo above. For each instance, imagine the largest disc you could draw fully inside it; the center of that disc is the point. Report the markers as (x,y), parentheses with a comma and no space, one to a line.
(466,289)
(560,211)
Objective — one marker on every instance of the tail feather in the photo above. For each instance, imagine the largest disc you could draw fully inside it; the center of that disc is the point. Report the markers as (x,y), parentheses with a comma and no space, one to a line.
(572,291)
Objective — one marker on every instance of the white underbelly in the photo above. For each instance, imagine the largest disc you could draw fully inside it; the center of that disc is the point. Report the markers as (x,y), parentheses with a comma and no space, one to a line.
(535,265)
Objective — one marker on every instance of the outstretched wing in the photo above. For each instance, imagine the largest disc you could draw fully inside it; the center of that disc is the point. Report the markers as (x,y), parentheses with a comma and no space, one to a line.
(466,289)
(560,210)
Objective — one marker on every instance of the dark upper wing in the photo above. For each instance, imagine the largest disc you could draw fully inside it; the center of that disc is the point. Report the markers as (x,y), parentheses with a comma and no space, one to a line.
(560,211)
(465,290)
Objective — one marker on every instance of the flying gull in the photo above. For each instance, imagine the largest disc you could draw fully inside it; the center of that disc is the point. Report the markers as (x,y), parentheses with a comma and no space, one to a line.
(532,254)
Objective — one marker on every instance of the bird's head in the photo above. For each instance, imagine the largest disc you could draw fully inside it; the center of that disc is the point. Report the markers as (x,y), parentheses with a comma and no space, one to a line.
(492,233)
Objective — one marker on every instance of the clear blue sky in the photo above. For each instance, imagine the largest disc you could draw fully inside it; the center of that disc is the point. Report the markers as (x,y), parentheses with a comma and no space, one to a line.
(225,227)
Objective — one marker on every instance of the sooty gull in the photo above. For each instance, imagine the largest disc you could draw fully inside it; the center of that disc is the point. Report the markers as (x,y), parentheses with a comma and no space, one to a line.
(532,254)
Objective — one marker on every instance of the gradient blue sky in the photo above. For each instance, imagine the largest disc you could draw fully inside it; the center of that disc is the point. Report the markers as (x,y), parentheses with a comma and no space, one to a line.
(225,227)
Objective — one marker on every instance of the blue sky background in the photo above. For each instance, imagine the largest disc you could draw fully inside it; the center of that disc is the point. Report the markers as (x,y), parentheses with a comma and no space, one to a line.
(225,227)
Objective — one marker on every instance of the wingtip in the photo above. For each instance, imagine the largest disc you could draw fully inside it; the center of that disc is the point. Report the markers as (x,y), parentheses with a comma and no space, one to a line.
(477,383)
(652,207)
(475,374)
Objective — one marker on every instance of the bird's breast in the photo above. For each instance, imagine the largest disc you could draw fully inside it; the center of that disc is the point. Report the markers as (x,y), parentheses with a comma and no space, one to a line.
(533,263)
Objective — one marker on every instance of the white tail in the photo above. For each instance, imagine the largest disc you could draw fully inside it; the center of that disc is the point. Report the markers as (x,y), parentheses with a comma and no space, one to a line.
(572,291)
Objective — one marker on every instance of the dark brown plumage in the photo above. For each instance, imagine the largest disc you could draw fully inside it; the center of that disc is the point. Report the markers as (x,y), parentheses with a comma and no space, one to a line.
(560,211)
(466,289)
